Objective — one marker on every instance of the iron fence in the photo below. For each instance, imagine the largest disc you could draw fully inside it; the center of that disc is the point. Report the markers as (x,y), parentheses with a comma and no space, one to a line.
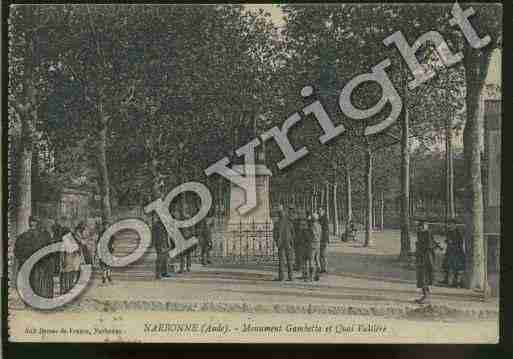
(243,242)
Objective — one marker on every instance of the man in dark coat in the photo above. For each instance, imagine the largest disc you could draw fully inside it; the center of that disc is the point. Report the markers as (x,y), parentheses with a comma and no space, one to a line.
(454,258)
(325,238)
(425,260)
(284,235)
(28,243)
(162,246)
(59,230)
(298,242)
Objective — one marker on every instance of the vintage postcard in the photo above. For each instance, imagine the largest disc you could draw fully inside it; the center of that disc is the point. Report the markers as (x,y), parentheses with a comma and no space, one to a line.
(323,173)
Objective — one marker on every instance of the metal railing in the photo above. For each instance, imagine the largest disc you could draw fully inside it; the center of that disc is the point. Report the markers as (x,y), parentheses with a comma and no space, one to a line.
(241,243)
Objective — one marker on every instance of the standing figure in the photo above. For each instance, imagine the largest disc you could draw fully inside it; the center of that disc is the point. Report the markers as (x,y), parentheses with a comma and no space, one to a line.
(314,248)
(283,236)
(106,270)
(425,260)
(59,229)
(205,240)
(162,246)
(299,244)
(72,257)
(325,238)
(306,235)
(186,256)
(454,258)
(350,233)
(28,243)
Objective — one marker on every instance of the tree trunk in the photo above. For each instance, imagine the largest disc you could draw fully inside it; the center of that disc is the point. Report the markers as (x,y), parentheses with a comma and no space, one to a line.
(35,176)
(368,192)
(23,187)
(323,195)
(27,111)
(450,210)
(327,202)
(104,174)
(335,211)
(349,200)
(405,185)
(381,213)
(314,209)
(476,68)
(374,215)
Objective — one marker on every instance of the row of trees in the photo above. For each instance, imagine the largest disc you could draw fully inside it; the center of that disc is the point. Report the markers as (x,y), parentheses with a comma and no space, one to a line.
(138,98)
(348,39)
(132,86)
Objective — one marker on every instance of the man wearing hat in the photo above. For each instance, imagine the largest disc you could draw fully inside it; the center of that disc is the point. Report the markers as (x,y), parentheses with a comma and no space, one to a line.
(425,259)
(284,235)
(28,243)
(163,245)
(454,258)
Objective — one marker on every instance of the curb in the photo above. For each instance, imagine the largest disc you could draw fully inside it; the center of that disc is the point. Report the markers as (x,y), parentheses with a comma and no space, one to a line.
(404,311)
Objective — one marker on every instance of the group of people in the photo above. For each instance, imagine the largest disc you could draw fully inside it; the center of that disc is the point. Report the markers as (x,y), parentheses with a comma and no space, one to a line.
(300,237)
(65,264)
(453,263)
(304,237)
(163,244)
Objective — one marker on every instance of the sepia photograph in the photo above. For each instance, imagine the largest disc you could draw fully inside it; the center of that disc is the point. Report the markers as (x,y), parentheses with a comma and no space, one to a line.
(254,173)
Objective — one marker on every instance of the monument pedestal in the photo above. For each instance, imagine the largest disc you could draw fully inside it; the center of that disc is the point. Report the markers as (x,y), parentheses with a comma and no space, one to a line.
(250,234)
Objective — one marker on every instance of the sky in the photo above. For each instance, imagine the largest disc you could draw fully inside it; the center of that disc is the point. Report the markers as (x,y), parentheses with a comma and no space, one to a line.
(274,10)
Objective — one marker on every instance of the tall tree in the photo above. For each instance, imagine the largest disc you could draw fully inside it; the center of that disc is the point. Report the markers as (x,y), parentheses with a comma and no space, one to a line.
(476,64)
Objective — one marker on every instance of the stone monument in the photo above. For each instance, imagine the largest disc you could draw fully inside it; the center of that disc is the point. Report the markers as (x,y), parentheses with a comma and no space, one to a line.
(250,234)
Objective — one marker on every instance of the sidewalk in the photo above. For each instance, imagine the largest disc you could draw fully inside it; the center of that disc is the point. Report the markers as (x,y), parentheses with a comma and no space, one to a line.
(361,281)
(242,290)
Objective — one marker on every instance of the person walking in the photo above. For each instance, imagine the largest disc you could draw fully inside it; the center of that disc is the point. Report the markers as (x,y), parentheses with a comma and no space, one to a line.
(454,258)
(425,260)
(162,245)
(28,243)
(325,238)
(284,234)
(72,257)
